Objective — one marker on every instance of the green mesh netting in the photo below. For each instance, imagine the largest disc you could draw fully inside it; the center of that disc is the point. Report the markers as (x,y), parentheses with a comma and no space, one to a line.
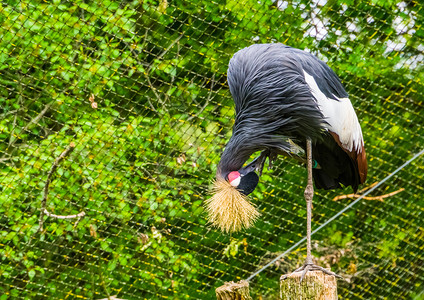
(139,89)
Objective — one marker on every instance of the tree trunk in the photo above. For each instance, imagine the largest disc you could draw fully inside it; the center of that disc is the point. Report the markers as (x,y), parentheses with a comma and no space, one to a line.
(315,286)
(233,291)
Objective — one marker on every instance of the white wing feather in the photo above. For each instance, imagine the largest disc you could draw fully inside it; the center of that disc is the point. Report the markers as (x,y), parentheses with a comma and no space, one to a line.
(340,116)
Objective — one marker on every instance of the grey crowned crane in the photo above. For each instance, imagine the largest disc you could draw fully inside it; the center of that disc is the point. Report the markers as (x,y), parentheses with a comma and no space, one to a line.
(284,97)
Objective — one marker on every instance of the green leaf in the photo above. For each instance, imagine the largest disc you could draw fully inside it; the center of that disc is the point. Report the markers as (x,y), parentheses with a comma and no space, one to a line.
(31,274)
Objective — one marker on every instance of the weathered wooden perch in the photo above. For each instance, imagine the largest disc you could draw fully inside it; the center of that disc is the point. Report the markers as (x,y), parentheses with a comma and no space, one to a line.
(316,285)
(233,291)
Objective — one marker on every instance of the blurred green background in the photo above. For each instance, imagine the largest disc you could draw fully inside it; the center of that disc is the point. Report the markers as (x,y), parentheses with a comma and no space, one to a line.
(140,88)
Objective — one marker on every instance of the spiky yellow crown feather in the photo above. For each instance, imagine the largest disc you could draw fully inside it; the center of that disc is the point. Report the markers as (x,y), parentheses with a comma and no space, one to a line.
(228,209)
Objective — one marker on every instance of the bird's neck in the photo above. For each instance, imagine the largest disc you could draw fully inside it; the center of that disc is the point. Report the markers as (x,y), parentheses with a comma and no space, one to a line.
(233,158)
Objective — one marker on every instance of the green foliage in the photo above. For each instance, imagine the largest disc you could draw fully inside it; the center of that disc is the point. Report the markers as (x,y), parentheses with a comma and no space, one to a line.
(139,88)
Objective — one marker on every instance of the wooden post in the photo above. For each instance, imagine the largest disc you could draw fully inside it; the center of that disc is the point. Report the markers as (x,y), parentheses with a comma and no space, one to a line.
(233,291)
(316,285)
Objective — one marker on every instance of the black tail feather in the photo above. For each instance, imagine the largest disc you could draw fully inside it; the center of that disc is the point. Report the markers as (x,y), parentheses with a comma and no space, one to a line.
(337,167)
(323,181)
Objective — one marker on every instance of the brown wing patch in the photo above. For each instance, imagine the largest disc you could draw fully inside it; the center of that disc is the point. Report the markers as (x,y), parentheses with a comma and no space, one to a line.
(360,157)
(362,164)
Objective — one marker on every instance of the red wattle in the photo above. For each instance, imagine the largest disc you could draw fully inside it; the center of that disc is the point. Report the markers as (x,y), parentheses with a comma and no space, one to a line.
(233,175)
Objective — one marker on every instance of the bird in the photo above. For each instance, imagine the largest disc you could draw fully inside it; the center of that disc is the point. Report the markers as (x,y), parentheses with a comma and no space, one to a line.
(290,103)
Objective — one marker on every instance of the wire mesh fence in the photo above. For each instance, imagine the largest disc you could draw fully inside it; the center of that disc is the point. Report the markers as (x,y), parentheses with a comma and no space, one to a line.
(132,96)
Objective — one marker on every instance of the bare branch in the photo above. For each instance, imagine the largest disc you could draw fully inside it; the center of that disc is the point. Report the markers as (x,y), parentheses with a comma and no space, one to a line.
(147,73)
(171,84)
(5,114)
(44,211)
(149,67)
(368,187)
(207,100)
(27,126)
(11,139)
(39,116)
(135,55)
(102,283)
(114,297)
(20,102)
(79,215)
(156,94)
(166,50)
(378,198)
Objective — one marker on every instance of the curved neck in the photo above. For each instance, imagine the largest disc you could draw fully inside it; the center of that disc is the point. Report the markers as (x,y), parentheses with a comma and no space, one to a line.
(236,153)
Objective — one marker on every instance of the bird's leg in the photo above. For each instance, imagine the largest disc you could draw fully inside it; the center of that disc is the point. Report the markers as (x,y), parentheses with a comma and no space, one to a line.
(309,193)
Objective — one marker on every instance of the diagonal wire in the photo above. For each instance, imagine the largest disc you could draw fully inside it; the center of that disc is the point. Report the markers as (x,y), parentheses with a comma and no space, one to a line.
(335,216)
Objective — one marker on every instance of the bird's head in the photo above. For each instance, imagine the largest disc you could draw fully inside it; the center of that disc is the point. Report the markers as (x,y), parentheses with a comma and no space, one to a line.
(242,181)
(230,208)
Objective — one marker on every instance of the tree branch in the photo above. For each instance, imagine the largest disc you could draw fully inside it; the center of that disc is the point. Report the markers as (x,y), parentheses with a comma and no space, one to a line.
(44,211)
(20,101)
(156,94)
(147,73)
(207,100)
(79,215)
(166,50)
(39,116)
(357,195)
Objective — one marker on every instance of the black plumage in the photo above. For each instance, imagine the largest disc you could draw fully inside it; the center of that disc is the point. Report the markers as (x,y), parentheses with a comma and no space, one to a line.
(274,103)
(284,96)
